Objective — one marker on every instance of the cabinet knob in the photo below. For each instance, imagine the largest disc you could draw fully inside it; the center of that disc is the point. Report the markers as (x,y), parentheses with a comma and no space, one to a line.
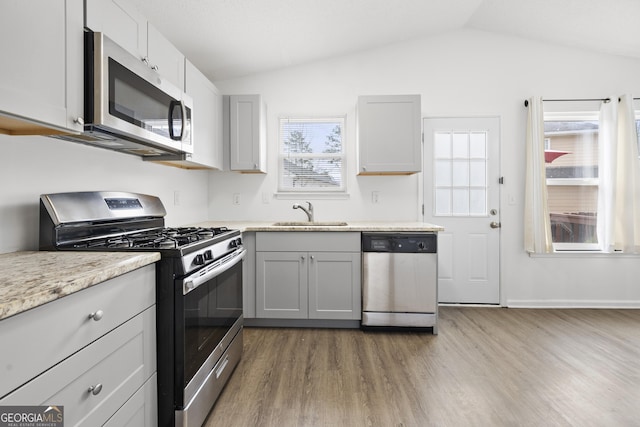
(312,257)
(154,68)
(79,121)
(302,257)
(97,315)
(95,389)
(364,168)
(255,166)
(145,60)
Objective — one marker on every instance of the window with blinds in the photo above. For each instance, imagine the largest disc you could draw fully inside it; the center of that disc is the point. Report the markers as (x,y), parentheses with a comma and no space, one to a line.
(311,155)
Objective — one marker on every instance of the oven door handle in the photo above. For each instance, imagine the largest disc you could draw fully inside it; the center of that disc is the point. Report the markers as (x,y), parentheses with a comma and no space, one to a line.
(192,282)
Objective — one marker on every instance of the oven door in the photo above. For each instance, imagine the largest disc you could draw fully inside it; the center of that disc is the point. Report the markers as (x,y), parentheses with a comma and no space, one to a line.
(208,317)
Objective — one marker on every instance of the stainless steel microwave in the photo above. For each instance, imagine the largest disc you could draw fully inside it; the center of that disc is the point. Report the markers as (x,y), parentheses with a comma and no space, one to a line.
(129,107)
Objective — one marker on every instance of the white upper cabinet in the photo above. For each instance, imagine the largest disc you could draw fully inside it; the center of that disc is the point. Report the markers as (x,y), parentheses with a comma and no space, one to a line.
(207,119)
(124,24)
(163,57)
(389,134)
(41,90)
(247,134)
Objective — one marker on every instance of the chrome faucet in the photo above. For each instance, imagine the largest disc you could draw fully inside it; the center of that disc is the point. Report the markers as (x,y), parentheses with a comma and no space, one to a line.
(308,211)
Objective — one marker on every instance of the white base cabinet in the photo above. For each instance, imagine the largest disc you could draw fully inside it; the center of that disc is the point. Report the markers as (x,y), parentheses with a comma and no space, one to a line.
(308,275)
(93,352)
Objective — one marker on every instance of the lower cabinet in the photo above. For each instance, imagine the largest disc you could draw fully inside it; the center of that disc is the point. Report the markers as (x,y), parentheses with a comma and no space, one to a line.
(111,378)
(317,283)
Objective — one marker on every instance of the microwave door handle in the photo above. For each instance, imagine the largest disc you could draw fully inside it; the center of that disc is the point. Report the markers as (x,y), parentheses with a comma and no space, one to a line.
(183,117)
(172,106)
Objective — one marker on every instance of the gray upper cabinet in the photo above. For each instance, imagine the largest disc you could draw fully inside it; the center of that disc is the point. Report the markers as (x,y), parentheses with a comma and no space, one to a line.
(389,134)
(122,22)
(247,134)
(41,89)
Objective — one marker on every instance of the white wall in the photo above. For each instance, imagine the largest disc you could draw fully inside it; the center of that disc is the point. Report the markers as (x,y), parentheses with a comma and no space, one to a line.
(463,73)
(30,166)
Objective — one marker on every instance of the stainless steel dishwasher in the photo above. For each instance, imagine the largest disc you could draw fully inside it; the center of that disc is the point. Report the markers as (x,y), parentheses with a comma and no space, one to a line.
(400,280)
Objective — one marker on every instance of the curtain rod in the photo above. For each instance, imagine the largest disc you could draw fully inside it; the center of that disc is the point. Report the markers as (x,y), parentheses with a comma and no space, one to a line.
(526,101)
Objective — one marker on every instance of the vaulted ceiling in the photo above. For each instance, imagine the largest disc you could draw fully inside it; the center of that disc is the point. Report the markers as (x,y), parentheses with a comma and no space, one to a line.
(233,38)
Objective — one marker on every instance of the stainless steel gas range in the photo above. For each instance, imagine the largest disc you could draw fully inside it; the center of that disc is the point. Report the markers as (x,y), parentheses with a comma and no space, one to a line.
(198,289)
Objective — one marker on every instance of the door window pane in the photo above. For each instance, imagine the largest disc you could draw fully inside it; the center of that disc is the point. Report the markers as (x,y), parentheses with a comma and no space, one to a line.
(442,145)
(460,173)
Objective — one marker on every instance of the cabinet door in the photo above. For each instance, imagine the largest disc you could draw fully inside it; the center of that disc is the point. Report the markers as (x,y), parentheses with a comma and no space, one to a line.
(164,57)
(389,134)
(41,75)
(281,285)
(121,22)
(334,285)
(247,145)
(207,118)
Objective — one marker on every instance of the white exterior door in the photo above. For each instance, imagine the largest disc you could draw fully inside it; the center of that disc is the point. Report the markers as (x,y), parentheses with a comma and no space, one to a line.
(462,194)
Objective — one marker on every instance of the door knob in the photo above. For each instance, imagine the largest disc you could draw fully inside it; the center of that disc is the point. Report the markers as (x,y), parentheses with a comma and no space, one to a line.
(495,224)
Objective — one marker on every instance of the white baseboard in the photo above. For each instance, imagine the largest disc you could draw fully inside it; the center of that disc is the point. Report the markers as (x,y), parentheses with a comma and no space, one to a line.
(612,304)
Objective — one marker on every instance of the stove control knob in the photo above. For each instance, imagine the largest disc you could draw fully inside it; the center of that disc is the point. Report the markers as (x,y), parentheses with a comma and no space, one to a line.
(198,260)
(233,243)
(422,246)
(238,241)
(208,255)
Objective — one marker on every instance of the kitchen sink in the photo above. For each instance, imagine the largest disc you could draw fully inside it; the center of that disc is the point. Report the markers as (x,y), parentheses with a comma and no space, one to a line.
(310,224)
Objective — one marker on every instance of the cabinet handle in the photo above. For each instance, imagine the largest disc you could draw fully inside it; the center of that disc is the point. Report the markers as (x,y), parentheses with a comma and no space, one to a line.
(97,315)
(95,389)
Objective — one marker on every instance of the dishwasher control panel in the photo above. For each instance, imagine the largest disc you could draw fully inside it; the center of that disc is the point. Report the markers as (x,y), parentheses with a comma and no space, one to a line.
(400,242)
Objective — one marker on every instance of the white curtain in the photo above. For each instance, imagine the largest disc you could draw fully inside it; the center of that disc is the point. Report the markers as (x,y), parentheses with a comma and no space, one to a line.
(608,147)
(626,226)
(537,223)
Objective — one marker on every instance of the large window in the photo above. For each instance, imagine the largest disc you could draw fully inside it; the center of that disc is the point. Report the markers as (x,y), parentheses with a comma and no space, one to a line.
(311,155)
(571,163)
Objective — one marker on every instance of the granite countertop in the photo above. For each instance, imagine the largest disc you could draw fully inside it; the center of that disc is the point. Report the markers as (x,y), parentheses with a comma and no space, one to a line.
(30,279)
(325,226)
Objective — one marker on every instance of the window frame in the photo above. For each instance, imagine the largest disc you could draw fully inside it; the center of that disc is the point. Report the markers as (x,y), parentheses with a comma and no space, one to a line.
(282,155)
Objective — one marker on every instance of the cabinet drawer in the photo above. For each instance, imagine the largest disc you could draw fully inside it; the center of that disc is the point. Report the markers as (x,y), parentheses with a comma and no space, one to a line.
(37,339)
(139,411)
(117,364)
(306,241)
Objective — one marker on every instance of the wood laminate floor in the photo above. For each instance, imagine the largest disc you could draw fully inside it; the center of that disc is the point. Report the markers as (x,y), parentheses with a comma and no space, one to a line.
(487,367)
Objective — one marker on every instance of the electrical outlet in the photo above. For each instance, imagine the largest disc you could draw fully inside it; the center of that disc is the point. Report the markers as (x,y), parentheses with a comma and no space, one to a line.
(375,196)
(176,198)
(236,198)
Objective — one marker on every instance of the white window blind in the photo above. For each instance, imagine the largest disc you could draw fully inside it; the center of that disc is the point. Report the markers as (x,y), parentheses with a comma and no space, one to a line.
(311,155)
